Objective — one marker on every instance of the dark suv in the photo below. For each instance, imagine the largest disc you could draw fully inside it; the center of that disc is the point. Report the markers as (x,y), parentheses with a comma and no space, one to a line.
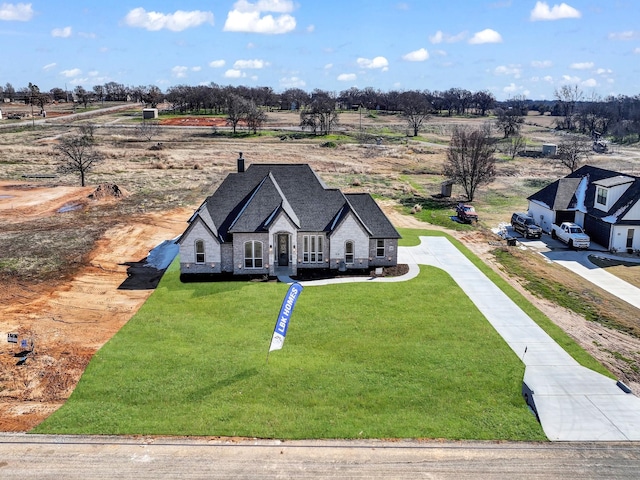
(524,224)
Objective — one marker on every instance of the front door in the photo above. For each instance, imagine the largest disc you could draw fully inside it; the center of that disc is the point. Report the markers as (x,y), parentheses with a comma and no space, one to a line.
(283,249)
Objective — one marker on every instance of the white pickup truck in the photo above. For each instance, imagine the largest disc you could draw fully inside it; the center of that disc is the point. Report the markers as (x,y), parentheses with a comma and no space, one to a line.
(571,234)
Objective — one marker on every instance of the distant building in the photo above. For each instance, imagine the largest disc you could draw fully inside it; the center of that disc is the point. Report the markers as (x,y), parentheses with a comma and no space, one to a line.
(149,113)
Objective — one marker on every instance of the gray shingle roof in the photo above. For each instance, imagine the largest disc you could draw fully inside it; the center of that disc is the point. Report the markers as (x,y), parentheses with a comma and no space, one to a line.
(372,216)
(245,201)
(560,195)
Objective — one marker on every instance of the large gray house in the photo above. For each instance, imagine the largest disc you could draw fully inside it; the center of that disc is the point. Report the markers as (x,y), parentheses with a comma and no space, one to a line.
(274,219)
(605,203)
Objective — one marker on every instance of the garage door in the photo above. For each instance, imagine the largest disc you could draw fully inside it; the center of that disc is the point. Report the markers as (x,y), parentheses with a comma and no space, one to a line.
(598,231)
(565,216)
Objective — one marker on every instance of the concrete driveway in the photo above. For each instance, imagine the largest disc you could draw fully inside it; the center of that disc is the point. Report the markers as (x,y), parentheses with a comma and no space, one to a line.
(572,402)
(578,262)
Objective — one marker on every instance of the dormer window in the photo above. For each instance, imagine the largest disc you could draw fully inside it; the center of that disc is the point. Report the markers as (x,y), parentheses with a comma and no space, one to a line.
(601,196)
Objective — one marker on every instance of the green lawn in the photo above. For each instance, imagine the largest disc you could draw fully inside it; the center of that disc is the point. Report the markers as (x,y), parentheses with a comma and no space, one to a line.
(398,360)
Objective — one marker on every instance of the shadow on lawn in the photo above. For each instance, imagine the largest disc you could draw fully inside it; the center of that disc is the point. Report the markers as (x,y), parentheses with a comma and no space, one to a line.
(206,390)
(141,276)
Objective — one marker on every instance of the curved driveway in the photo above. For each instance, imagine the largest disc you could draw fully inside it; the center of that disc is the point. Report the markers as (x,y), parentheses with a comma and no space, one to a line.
(572,402)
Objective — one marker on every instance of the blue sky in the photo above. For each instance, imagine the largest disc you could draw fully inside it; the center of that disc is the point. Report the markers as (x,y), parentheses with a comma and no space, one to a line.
(509,47)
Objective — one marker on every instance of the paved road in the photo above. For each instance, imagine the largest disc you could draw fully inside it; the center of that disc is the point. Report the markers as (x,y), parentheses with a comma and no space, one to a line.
(85,458)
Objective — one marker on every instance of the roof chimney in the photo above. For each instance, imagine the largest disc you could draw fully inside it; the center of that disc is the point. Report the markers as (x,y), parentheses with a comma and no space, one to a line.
(240,163)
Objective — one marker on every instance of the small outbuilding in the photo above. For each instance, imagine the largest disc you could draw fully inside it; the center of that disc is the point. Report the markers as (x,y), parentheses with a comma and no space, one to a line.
(149,113)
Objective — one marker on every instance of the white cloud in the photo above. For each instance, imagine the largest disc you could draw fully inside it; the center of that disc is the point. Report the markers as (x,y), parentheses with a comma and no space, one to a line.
(21,12)
(604,71)
(247,17)
(513,70)
(233,73)
(196,69)
(217,63)
(176,22)
(513,88)
(548,78)
(253,64)
(486,36)
(292,82)
(61,32)
(419,55)
(542,12)
(590,83)
(94,73)
(328,66)
(570,79)
(441,53)
(87,35)
(627,35)
(542,63)
(377,62)
(441,37)
(311,28)
(179,71)
(49,66)
(637,50)
(582,66)
(347,77)
(74,72)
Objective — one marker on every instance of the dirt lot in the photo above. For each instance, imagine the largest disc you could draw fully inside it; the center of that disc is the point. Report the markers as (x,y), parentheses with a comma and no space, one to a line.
(72,308)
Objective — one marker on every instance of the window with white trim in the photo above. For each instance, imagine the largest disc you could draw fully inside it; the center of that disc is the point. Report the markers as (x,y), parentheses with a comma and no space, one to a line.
(380,247)
(253,254)
(349,252)
(312,248)
(601,196)
(200,251)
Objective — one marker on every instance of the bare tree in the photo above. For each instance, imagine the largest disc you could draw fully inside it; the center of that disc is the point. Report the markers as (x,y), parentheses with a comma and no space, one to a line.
(255,117)
(470,161)
(237,108)
(416,109)
(320,115)
(87,130)
(567,97)
(516,144)
(77,155)
(509,121)
(83,96)
(148,129)
(573,151)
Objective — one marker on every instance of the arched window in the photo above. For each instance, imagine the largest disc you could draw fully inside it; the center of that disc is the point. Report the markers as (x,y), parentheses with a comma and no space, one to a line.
(253,254)
(348,252)
(199,251)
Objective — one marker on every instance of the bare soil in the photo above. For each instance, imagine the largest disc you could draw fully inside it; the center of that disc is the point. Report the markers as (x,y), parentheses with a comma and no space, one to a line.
(70,314)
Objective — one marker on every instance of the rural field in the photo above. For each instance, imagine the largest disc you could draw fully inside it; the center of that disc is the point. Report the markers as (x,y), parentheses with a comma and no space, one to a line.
(71,257)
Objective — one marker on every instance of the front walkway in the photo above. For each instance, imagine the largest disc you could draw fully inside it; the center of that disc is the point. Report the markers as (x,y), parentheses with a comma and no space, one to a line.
(573,403)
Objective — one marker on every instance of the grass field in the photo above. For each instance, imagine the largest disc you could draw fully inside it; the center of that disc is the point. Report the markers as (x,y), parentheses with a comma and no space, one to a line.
(413,359)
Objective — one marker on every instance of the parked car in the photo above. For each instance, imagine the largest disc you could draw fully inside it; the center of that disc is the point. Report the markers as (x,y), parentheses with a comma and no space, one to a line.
(525,224)
(466,213)
(571,234)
